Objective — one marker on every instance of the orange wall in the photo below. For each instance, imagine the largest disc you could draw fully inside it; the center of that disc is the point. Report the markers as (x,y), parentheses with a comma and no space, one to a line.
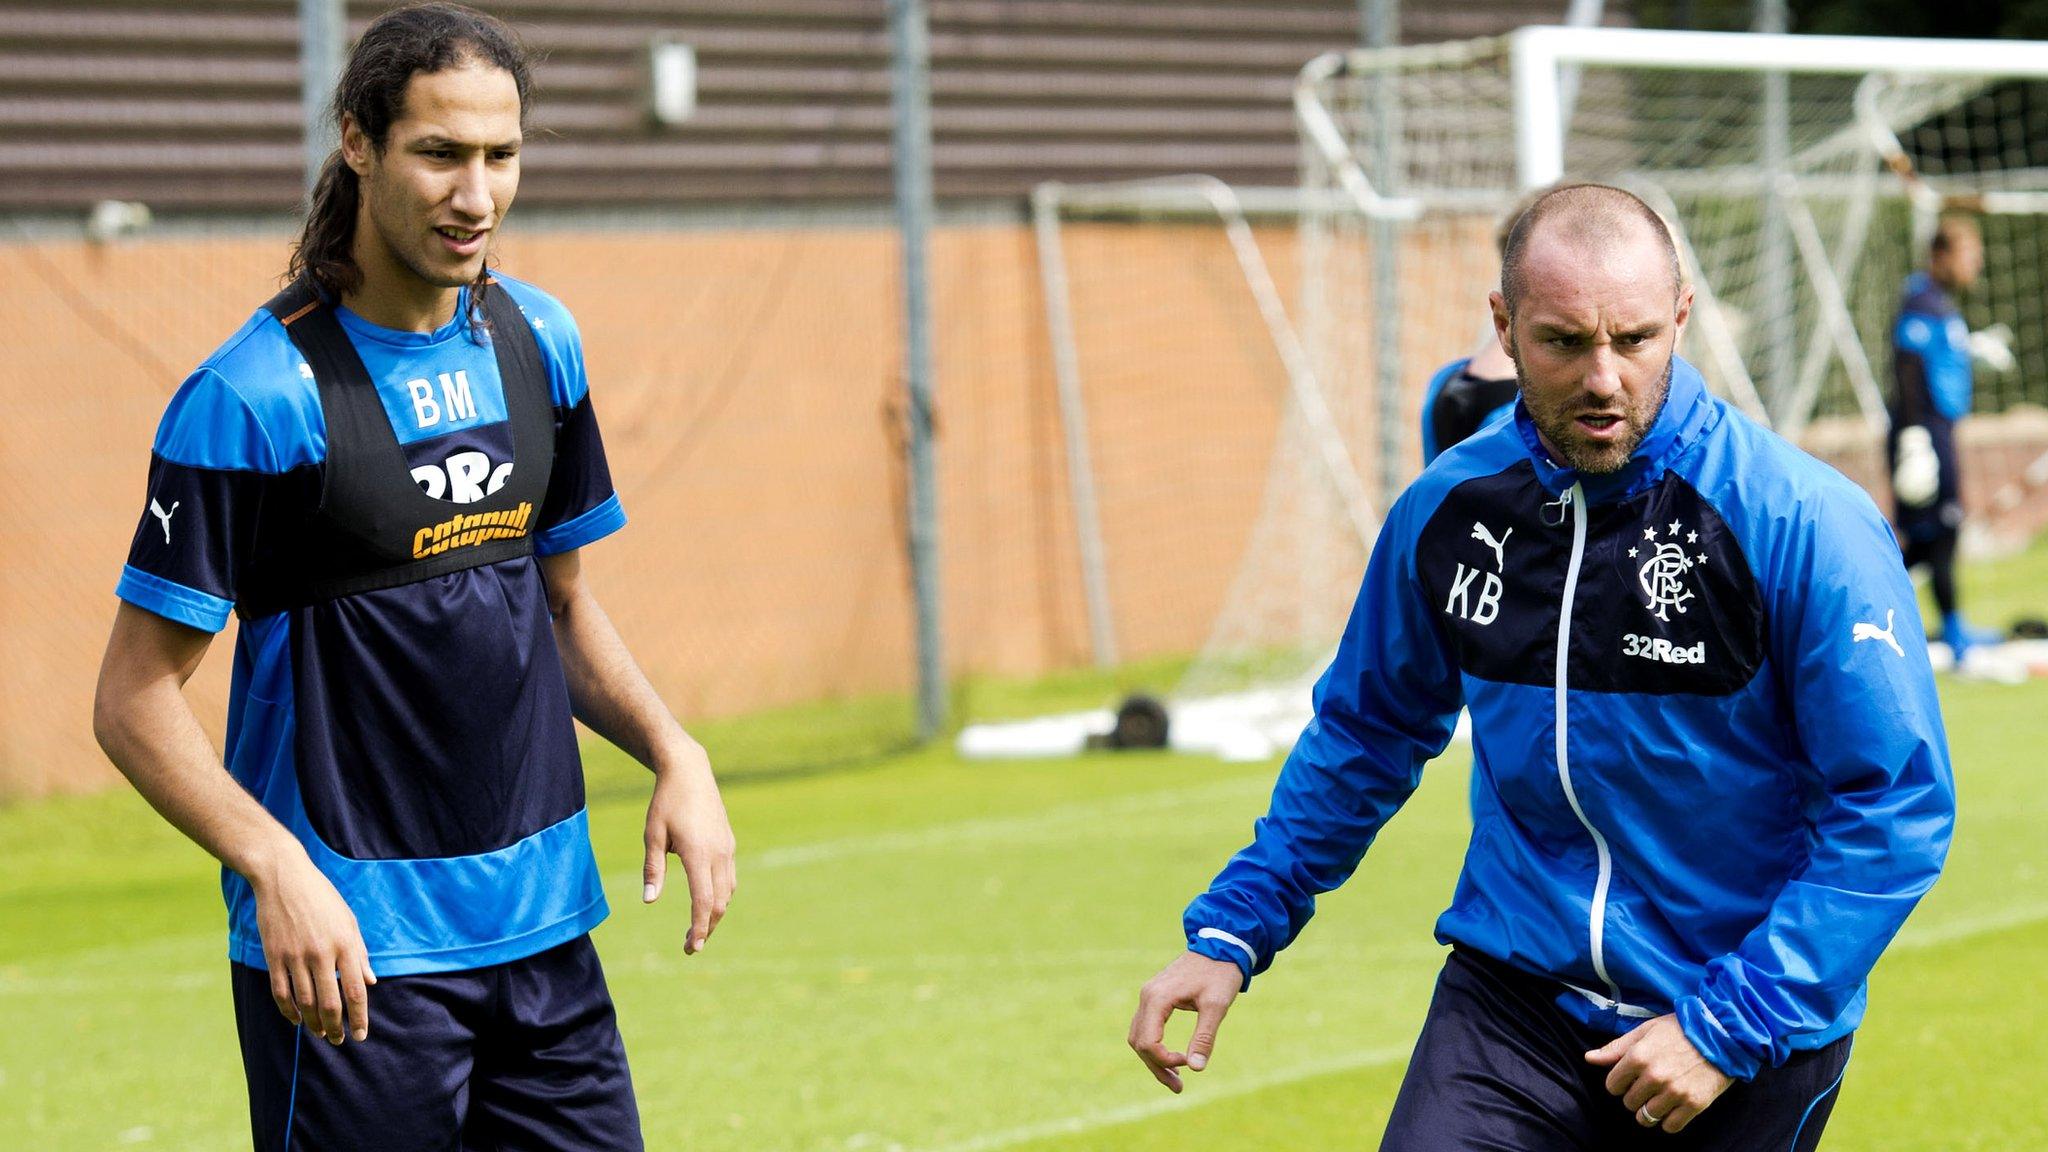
(748,384)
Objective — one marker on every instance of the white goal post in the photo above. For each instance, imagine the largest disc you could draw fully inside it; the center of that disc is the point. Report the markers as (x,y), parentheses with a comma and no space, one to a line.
(1543,53)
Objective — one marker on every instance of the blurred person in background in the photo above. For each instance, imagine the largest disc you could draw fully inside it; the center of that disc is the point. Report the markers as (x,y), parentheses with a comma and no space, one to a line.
(388,474)
(1931,393)
(1472,392)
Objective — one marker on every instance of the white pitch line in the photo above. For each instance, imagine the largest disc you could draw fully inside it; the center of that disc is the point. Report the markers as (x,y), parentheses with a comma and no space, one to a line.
(665,963)
(14,982)
(1932,936)
(1198,1095)
(127,955)
(81,986)
(1964,927)
(987,830)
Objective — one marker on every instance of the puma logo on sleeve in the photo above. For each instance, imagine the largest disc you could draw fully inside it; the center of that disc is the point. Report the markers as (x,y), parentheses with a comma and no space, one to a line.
(157,510)
(1863,631)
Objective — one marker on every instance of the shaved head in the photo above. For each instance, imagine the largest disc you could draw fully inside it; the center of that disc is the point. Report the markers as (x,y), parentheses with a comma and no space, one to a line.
(1590,309)
(1588,217)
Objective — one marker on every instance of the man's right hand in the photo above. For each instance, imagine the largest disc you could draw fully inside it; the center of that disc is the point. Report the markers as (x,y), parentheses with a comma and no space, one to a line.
(1193,983)
(319,966)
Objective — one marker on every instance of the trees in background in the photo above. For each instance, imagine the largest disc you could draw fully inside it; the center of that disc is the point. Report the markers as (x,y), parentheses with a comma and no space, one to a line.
(1989,19)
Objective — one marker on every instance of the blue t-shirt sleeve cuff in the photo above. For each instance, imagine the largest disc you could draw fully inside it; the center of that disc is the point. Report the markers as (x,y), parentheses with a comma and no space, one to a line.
(173,601)
(571,534)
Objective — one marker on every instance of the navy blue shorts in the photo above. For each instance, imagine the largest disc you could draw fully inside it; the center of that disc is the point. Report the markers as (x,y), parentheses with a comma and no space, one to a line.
(1501,1067)
(517,1056)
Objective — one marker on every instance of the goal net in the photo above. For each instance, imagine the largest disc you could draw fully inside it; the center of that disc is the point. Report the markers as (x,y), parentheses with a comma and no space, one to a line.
(1195,432)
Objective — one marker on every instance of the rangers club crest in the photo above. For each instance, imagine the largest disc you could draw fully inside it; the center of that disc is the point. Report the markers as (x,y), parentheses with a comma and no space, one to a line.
(1664,571)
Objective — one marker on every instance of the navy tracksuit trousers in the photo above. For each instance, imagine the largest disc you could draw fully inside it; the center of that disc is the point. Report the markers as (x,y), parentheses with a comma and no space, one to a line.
(1501,1068)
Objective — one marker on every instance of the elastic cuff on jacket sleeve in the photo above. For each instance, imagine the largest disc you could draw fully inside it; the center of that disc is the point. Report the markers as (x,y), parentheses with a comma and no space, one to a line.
(1217,944)
(1713,1041)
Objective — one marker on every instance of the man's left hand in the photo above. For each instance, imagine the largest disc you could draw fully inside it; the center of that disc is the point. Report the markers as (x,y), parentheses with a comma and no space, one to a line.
(1659,1075)
(686,817)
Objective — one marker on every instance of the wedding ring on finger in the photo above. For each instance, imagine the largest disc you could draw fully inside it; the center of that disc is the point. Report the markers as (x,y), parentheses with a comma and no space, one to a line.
(1644,1118)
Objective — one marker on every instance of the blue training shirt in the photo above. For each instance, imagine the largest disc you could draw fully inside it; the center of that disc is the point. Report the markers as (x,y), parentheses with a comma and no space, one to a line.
(1930,355)
(418,739)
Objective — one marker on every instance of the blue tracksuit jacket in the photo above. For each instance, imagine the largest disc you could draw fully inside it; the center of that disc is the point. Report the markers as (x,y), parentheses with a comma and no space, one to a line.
(1710,770)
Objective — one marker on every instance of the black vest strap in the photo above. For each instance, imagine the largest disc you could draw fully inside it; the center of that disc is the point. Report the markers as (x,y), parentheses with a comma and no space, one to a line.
(375,528)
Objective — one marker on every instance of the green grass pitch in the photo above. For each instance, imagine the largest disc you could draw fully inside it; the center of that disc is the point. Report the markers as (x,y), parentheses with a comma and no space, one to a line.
(939,957)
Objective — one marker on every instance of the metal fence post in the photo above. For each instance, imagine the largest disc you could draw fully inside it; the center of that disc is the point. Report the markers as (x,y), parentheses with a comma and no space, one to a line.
(323,30)
(911,44)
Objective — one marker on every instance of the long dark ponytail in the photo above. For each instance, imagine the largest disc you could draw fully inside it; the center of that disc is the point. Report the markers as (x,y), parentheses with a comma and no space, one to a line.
(371,92)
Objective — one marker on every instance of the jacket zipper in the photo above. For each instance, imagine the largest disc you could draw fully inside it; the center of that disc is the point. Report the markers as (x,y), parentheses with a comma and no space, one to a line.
(1596,929)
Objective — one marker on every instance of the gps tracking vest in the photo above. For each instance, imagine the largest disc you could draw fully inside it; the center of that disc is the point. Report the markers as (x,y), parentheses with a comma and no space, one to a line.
(374,527)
